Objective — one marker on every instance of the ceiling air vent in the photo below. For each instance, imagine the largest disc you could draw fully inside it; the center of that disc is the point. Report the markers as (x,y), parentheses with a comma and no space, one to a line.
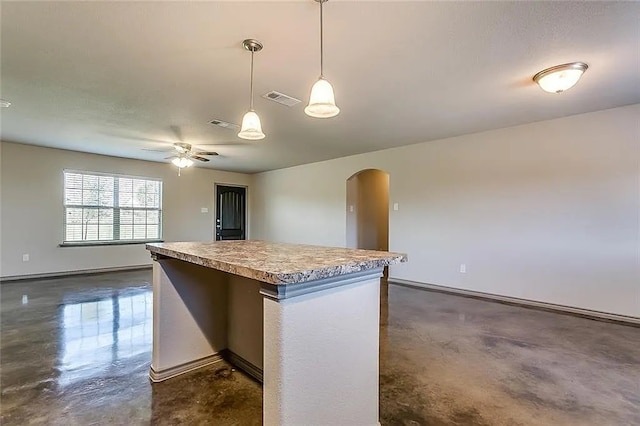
(224,124)
(281,98)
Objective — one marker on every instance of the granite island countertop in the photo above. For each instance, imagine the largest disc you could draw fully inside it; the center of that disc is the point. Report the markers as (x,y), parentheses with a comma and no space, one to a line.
(276,263)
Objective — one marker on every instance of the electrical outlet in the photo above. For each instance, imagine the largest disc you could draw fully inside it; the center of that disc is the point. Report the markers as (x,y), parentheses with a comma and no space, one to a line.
(463,268)
(25,257)
(204,210)
(351,209)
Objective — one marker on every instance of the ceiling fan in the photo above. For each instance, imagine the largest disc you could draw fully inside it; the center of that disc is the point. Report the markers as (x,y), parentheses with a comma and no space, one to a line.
(185,155)
(185,151)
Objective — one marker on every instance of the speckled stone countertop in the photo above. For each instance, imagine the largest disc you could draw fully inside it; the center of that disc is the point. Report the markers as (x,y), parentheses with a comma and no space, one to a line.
(277,263)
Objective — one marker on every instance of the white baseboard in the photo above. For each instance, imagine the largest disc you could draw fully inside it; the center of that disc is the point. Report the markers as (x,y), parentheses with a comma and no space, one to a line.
(71,273)
(225,354)
(160,376)
(521,302)
(244,365)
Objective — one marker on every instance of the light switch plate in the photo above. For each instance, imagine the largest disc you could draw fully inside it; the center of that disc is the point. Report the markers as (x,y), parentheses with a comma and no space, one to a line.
(25,257)
(395,206)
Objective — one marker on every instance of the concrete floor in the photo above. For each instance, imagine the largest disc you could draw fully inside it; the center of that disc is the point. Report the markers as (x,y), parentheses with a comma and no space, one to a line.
(77,351)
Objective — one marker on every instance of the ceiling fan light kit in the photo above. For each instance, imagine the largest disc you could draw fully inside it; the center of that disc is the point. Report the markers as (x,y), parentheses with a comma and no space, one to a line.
(559,78)
(185,156)
(251,127)
(182,162)
(322,101)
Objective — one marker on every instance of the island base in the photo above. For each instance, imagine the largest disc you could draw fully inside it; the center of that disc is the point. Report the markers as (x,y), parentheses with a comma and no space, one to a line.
(315,344)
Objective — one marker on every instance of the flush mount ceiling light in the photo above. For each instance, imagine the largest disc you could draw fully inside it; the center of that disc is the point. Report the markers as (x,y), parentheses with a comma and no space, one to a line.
(4,104)
(322,102)
(561,77)
(251,127)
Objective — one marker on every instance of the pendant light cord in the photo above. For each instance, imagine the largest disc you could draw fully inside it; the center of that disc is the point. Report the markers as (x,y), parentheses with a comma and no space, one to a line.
(321,43)
(251,95)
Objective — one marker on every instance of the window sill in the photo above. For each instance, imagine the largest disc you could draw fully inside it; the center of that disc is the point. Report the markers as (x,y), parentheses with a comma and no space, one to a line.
(106,243)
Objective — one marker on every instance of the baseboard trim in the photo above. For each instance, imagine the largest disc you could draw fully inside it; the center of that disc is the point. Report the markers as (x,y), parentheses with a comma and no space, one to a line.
(63,274)
(570,310)
(161,376)
(225,354)
(244,365)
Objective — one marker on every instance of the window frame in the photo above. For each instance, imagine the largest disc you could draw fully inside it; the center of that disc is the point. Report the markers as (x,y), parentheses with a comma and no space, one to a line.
(115,208)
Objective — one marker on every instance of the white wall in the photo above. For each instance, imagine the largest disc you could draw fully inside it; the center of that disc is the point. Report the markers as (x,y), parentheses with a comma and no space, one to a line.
(547,211)
(32,215)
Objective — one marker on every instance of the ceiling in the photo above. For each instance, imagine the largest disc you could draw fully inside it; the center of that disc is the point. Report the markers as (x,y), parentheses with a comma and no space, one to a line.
(117,78)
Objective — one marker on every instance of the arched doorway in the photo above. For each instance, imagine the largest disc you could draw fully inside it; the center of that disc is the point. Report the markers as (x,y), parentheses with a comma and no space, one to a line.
(368,210)
(368,225)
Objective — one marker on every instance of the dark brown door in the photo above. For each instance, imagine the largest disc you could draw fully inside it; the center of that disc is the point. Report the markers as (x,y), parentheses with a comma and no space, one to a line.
(231,212)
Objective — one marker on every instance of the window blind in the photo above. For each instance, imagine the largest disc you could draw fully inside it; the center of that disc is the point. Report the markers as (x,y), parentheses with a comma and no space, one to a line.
(104,207)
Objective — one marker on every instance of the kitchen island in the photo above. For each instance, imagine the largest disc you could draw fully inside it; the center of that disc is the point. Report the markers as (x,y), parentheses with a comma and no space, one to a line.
(303,320)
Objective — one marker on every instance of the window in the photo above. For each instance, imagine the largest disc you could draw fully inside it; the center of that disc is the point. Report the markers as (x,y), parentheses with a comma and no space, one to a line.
(103,208)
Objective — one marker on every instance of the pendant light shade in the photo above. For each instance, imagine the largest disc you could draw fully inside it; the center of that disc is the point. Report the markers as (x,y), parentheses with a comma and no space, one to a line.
(322,101)
(561,77)
(251,128)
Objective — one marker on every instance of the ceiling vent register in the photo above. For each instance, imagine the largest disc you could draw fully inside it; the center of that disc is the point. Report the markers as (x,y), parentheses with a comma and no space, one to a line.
(281,98)
(224,124)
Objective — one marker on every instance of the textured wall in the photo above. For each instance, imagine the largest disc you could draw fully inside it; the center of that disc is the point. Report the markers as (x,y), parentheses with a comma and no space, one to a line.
(32,213)
(547,211)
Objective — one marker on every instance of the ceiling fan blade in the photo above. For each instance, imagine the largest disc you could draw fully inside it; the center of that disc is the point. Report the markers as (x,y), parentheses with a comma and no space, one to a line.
(206,153)
(182,147)
(195,157)
(172,157)
(157,150)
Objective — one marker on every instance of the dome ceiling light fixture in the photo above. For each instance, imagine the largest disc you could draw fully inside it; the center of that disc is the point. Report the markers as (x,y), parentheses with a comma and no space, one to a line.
(561,77)
(322,101)
(251,127)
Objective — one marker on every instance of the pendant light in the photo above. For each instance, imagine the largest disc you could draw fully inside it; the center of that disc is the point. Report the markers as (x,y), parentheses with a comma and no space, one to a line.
(322,102)
(561,77)
(251,127)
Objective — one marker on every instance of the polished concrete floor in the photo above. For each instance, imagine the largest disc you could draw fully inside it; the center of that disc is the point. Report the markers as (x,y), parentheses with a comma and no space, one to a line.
(77,351)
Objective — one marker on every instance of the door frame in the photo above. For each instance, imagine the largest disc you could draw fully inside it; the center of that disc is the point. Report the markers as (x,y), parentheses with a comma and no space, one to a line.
(247,217)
